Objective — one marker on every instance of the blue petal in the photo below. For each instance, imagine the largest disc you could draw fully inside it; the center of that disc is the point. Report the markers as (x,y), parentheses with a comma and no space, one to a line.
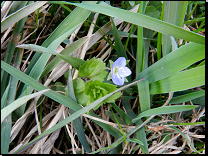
(117,80)
(120,62)
(124,72)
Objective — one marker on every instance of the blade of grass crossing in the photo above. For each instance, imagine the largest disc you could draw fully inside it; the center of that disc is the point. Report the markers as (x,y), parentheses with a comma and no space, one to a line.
(7,58)
(111,130)
(77,122)
(148,34)
(56,96)
(40,64)
(38,61)
(11,47)
(35,85)
(74,61)
(5,134)
(17,103)
(122,114)
(139,55)
(4,97)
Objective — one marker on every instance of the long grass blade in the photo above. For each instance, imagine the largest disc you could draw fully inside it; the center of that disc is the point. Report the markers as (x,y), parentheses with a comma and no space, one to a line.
(144,21)
(164,110)
(75,62)
(180,81)
(187,97)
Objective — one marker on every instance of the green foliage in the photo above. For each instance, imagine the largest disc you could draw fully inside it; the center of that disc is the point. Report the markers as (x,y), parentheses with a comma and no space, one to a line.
(93,69)
(93,90)
(150,29)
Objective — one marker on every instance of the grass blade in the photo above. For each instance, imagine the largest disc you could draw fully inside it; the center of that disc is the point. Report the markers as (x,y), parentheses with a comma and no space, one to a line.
(144,21)
(144,95)
(73,61)
(183,57)
(17,103)
(180,81)
(119,46)
(187,97)
(35,85)
(164,110)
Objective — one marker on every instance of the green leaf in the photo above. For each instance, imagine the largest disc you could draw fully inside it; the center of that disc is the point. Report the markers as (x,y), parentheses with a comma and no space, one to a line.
(144,95)
(96,89)
(111,115)
(83,99)
(79,86)
(174,13)
(4,97)
(36,85)
(180,81)
(164,110)
(100,76)
(65,28)
(93,69)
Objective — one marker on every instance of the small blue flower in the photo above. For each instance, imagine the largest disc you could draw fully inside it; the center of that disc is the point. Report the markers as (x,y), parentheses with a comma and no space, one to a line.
(119,71)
